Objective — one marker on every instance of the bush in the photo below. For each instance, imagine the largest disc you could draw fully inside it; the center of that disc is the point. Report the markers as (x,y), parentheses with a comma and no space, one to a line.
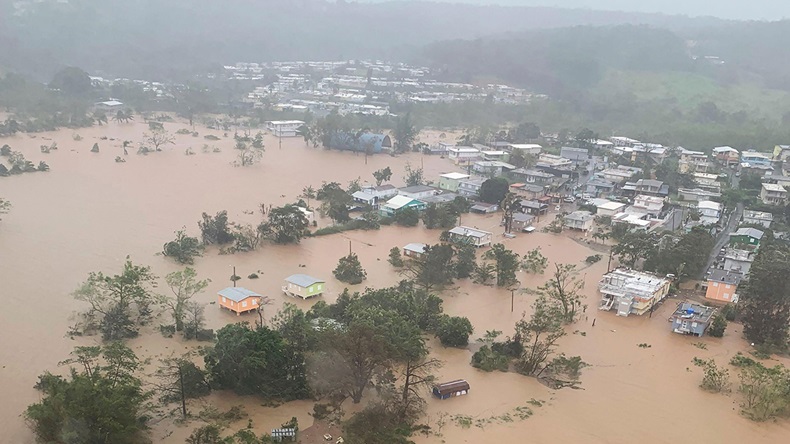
(167,330)
(730,312)
(183,249)
(408,217)
(488,360)
(454,331)
(349,270)
(593,259)
(718,326)
(715,379)
(395,258)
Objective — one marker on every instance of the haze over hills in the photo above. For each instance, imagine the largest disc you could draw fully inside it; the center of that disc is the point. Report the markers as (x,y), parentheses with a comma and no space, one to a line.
(172,39)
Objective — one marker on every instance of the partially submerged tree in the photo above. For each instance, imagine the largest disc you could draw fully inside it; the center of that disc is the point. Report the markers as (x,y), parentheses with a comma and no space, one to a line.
(454,331)
(184,285)
(101,400)
(395,257)
(118,303)
(535,261)
(405,133)
(494,190)
(349,270)
(157,138)
(183,249)
(382,175)
(215,230)
(179,379)
(414,176)
(431,269)
(506,263)
(563,289)
(286,225)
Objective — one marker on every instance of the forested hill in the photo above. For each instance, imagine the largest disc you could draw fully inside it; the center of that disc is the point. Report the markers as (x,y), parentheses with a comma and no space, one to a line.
(172,38)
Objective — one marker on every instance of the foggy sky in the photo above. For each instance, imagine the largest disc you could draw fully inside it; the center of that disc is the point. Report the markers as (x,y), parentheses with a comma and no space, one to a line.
(728,9)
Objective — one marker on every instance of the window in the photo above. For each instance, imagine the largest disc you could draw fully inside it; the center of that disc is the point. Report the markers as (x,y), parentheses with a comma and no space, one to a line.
(715,284)
(224,300)
(244,304)
(726,296)
(254,302)
(310,289)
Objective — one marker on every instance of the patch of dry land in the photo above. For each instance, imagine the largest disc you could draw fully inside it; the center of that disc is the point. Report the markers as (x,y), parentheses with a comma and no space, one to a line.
(90,212)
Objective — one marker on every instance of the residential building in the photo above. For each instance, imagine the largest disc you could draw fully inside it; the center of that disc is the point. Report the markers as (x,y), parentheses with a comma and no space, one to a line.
(450,181)
(365,198)
(696,194)
(438,199)
(781,153)
(502,156)
(471,236)
(364,143)
(619,173)
(691,318)
(651,205)
(752,157)
(413,250)
(773,194)
(599,187)
(759,169)
(417,191)
(470,187)
(492,167)
(525,148)
(554,160)
(381,192)
(653,151)
(707,182)
(534,207)
(575,155)
(610,208)
(303,286)
(463,154)
(528,191)
(531,176)
(722,285)
(238,299)
(710,212)
(400,203)
(623,141)
(579,220)
(440,148)
(109,106)
(284,128)
(757,218)
(484,208)
(635,221)
(522,221)
(746,236)
(726,155)
(451,389)
(631,292)
(693,161)
(648,187)
(739,261)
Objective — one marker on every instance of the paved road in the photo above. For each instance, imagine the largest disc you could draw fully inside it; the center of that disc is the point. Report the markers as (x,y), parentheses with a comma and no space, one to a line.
(724,237)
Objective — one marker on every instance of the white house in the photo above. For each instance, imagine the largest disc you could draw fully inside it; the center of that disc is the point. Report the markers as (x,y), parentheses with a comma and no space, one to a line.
(451,181)
(631,292)
(417,191)
(382,192)
(651,205)
(710,212)
(461,154)
(284,128)
(773,194)
(526,148)
(471,236)
(414,249)
(579,220)
(610,208)
(758,218)
(470,187)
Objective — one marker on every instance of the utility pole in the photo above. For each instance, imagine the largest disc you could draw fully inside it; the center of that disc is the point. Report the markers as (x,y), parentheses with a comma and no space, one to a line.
(349,247)
(609,265)
(181,382)
(512,291)
(233,278)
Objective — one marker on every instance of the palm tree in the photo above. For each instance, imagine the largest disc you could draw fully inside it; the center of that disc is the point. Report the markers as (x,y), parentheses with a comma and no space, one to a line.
(308,193)
(100,117)
(306,133)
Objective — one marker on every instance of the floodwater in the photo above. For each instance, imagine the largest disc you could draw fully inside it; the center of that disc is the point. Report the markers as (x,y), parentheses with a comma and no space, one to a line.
(90,212)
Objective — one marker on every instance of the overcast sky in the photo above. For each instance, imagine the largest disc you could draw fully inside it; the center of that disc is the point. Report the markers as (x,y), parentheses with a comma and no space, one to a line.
(730,9)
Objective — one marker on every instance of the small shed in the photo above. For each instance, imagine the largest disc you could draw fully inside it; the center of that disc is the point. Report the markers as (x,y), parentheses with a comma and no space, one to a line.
(445,390)
(303,286)
(238,299)
(484,208)
(522,221)
(286,432)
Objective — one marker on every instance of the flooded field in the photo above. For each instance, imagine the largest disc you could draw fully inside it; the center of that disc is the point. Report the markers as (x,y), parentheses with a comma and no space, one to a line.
(90,212)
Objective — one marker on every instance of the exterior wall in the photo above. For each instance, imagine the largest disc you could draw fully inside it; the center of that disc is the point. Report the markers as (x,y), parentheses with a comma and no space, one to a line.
(773,197)
(689,326)
(720,292)
(468,190)
(248,304)
(448,184)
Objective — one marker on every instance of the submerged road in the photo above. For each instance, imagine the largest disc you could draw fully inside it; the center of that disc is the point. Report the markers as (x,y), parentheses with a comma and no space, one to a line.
(723,237)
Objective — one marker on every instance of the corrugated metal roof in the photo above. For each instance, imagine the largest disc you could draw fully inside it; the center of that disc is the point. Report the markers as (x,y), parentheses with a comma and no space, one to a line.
(302,280)
(237,294)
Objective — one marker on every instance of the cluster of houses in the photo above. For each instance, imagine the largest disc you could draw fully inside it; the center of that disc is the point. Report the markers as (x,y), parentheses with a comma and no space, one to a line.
(240,300)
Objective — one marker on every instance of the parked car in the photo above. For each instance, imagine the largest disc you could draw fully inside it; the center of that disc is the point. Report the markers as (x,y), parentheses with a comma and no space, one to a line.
(569,199)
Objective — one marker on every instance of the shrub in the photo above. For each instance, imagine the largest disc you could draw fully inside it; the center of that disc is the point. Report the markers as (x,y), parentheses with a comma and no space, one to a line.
(349,270)
(718,326)
(714,379)
(488,360)
(183,249)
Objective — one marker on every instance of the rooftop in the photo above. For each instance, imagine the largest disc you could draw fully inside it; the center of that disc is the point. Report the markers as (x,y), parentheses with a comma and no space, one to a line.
(286,122)
(751,232)
(748,214)
(470,232)
(709,205)
(724,276)
(303,280)
(775,188)
(237,294)
(398,202)
(416,189)
(455,176)
(624,281)
(611,206)
(463,149)
(415,247)
(725,149)
(581,216)
(694,312)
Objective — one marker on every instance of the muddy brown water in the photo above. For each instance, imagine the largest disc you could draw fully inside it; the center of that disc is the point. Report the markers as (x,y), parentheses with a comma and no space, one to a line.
(89,213)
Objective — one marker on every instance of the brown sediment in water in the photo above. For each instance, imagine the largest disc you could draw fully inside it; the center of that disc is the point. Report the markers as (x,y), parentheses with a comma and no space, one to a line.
(89,213)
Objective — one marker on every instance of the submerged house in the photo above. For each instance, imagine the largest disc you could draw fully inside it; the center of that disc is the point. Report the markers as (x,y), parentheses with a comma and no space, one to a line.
(471,236)
(400,203)
(691,319)
(238,299)
(446,390)
(414,249)
(366,142)
(284,128)
(303,286)
(631,292)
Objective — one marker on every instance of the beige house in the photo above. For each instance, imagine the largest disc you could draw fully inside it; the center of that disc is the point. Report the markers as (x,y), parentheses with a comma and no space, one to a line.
(773,194)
